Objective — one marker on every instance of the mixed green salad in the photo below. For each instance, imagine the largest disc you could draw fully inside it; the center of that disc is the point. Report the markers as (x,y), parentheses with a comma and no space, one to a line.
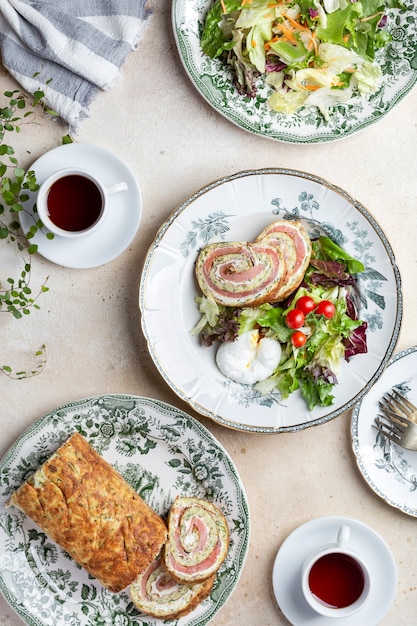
(313,53)
(317,326)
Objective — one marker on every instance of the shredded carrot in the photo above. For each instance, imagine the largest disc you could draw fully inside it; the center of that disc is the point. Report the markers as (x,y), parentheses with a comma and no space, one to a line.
(223,6)
(294,22)
(287,32)
(267,45)
(242,4)
(311,87)
(313,42)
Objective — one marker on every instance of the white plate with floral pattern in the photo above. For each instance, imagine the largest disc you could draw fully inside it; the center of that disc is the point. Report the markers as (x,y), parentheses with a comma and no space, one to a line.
(214,82)
(391,471)
(161,451)
(237,208)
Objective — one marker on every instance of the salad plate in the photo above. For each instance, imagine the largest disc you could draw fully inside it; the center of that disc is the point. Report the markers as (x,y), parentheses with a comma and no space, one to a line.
(286,574)
(388,469)
(162,452)
(213,80)
(122,221)
(237,208)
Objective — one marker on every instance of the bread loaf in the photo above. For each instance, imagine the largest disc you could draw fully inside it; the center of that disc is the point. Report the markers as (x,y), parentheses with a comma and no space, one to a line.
(86,506)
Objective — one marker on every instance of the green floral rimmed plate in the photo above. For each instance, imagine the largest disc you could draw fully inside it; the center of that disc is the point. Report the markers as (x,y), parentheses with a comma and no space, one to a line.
(213,80)
(238,208)
(161,451)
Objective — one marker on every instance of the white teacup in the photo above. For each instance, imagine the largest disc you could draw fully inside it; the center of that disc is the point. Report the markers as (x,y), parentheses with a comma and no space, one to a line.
(335,579)
(72,203)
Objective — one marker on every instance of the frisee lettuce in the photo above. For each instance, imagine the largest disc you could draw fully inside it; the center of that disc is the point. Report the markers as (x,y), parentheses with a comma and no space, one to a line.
(312,52)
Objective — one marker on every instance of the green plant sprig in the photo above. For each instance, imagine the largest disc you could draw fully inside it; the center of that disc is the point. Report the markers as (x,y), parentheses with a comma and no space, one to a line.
(16,184)
(40,355)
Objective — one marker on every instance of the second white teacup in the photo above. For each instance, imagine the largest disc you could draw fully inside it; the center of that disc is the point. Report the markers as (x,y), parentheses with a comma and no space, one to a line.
(72,203)
(335,580)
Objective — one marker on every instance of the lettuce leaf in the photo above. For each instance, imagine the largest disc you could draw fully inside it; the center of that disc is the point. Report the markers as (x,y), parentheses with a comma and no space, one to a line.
(216,35)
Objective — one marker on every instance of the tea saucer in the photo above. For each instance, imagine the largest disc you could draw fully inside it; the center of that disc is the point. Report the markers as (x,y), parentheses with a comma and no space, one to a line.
(286,575)
(121,223)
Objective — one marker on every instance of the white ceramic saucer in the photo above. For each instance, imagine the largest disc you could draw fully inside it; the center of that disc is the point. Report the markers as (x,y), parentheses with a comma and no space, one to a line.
(286,575)
(121,223)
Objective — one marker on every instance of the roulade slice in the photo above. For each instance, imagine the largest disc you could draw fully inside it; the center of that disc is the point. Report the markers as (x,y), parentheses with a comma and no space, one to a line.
(240,274)
(291,238)
(198,540)
(154,592)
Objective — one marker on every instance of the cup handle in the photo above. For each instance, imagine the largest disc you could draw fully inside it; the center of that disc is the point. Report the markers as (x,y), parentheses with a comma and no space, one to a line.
(116,188)
(343,536)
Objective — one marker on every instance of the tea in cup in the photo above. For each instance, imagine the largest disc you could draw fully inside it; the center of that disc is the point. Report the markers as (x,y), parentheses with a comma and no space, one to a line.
(335,580)
(72,202)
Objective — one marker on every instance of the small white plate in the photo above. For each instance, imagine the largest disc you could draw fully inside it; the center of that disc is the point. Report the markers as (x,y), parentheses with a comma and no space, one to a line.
(121,223)
(388,469)
(286,574)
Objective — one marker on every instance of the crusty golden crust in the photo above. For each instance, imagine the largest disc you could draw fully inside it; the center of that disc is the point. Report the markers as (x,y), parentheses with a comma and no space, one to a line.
(86,506)
(203,590)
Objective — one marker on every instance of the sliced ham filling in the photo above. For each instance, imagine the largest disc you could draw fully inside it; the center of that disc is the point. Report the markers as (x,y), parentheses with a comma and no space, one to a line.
(301,242)
(198,541)
(231,272)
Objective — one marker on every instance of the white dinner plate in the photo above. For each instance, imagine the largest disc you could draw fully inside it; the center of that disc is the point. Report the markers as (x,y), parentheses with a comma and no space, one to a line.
(237,208)
(161,451)
(214,82)
(388,469)
(122,220)
(286,574)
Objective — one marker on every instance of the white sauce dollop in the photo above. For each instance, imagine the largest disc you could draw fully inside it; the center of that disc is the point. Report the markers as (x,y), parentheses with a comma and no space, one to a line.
(250,358)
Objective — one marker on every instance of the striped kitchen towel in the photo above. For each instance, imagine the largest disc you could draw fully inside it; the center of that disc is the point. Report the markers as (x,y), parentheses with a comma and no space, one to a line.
(70,49)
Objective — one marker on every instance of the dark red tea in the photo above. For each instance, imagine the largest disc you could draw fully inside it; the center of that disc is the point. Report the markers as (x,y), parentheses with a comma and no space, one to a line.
(336,580)
(74,203)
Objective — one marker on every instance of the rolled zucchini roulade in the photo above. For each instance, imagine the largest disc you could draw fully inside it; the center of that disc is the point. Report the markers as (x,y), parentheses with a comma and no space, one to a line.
(240,274)
(198,540)
(293,241)
(154,592)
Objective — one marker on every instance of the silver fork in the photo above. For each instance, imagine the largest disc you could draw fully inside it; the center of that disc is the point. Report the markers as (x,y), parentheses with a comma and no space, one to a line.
(398,420)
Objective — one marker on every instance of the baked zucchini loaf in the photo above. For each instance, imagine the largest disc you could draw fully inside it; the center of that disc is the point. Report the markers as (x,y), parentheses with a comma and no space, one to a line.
(86,506)
(198,540)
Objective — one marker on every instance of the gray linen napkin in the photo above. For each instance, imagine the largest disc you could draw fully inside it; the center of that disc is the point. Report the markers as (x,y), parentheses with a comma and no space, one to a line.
(70,49)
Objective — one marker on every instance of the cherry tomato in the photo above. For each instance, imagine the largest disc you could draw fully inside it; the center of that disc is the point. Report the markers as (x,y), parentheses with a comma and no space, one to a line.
(298,339)
(294,318)
(326,308)
(305,304)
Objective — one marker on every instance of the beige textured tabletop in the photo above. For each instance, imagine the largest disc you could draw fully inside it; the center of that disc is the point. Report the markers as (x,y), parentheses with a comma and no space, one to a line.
(175,143)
